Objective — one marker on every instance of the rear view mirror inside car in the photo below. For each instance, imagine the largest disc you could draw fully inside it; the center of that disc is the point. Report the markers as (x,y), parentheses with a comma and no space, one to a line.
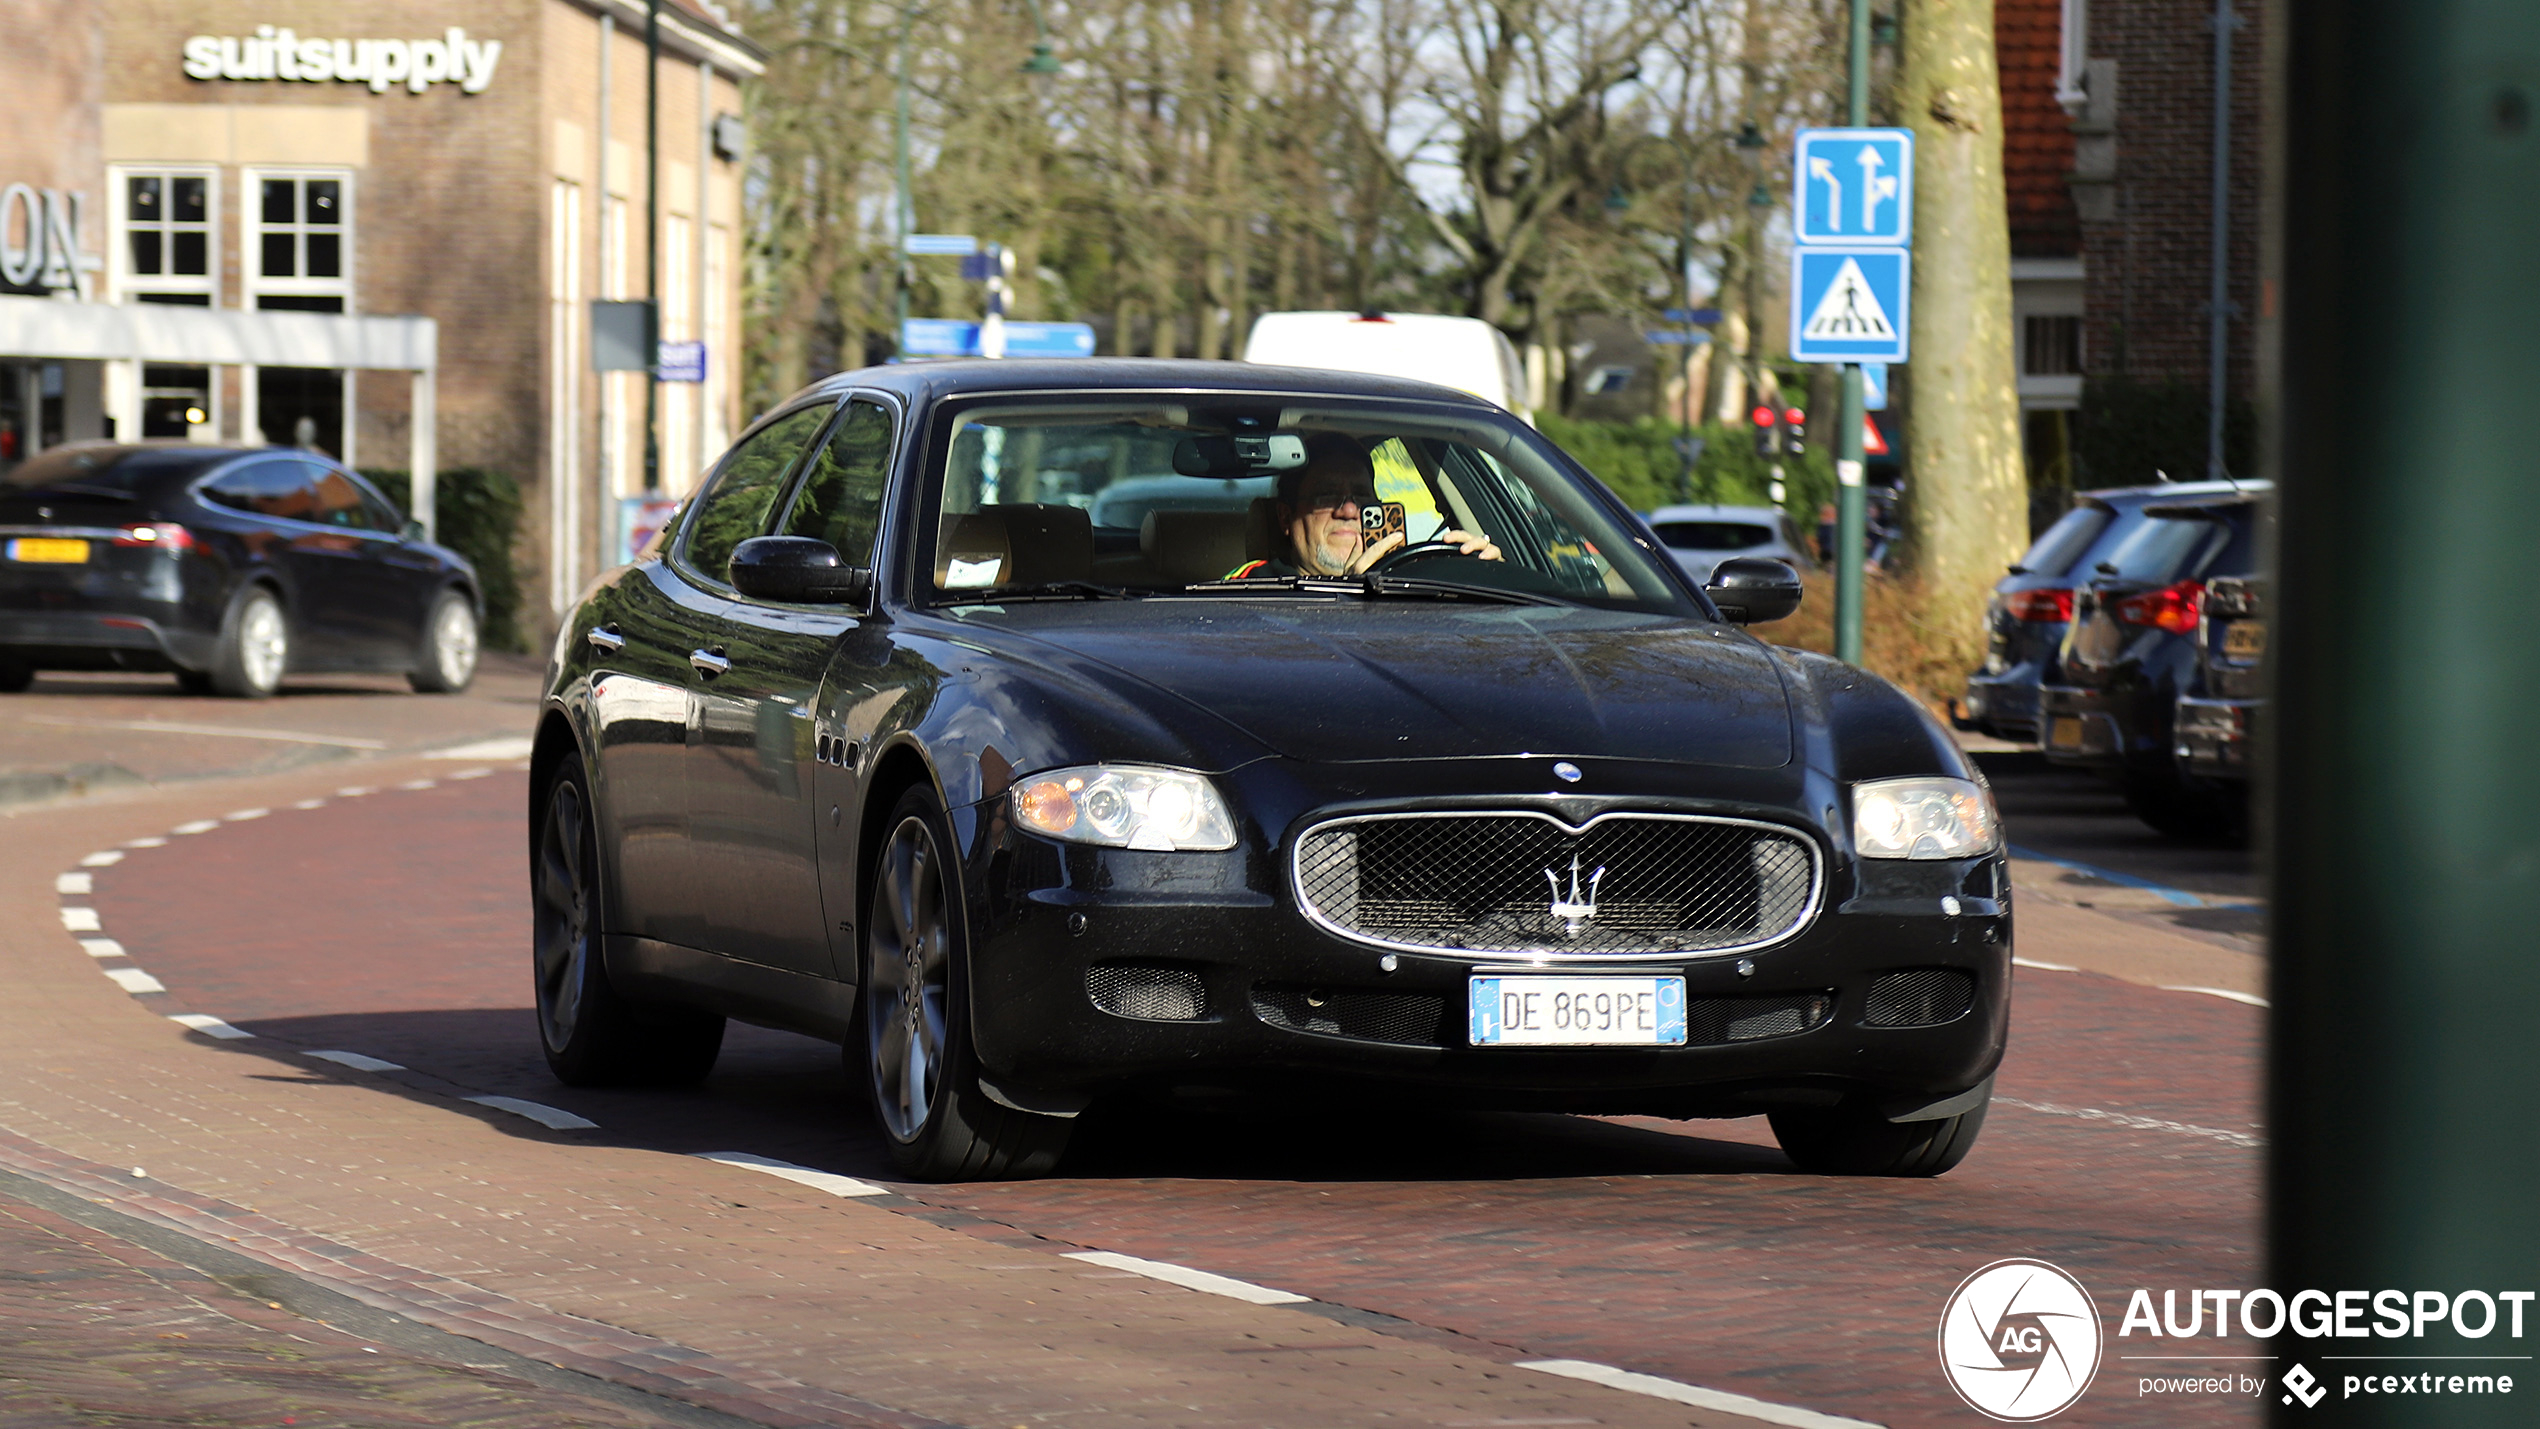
(1232,457)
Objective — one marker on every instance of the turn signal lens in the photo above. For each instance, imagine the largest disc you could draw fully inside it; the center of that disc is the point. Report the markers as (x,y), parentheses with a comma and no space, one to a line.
(2173,608)
(1923,818)
(166,535)
(2039,605)
(1126,806)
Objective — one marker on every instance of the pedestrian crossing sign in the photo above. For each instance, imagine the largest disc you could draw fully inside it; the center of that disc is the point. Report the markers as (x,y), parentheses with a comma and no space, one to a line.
(1849,304)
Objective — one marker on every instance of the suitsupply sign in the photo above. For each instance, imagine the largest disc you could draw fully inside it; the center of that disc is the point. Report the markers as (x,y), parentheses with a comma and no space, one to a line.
(282,54)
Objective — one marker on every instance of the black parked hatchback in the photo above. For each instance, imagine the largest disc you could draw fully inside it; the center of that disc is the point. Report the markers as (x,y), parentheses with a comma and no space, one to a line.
(230,567)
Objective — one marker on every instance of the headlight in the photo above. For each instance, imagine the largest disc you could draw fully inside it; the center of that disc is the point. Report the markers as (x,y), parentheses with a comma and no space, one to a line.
(1923,818)
(1125,806)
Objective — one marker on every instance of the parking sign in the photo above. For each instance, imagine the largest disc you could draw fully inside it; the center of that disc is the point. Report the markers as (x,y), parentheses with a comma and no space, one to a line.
(1853,186)
(1849,304)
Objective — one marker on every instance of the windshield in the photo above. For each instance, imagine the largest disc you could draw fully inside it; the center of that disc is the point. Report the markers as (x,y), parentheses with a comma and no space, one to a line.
(2054,553)
(1188,494)
(2164,549)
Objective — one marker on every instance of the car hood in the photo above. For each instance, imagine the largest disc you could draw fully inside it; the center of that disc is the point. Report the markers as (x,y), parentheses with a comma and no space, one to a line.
(1344,680)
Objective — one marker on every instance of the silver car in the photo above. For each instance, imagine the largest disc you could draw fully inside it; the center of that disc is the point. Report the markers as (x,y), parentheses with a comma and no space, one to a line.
(1700,537)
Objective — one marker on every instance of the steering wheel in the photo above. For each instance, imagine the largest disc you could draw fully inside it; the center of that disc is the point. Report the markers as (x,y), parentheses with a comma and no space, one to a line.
(1416,551)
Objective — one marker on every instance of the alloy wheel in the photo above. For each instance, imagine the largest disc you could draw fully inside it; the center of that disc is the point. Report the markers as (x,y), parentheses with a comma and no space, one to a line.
(454,643)
(564,896)
(263,643)
(910,991)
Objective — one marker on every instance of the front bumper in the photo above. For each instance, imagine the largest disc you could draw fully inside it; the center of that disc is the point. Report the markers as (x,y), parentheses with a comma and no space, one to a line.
(1272,1003)
(2004,703)
(2213,737)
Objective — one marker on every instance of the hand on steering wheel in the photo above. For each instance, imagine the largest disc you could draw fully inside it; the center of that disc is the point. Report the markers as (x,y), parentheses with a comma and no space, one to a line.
(1416,551)
(1390,552)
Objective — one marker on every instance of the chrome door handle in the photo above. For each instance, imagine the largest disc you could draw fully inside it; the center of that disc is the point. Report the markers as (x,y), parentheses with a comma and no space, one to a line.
(708,663)
(605,638)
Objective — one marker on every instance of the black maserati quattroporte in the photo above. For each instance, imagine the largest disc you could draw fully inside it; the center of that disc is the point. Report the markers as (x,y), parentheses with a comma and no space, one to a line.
(1385,756)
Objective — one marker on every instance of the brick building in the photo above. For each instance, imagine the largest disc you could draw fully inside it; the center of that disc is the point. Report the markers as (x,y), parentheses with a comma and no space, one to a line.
(2110,109)
(474,167)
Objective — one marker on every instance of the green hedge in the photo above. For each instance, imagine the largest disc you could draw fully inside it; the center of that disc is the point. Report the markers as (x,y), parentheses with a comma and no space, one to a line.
(477,514)
(1638,460)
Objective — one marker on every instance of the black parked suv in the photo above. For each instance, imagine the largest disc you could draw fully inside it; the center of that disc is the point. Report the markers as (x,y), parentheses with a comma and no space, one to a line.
(2033,605)
(227,566)
(2132,650)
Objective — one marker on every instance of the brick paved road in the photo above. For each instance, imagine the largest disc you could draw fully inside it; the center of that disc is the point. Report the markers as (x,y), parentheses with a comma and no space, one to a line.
(395,925)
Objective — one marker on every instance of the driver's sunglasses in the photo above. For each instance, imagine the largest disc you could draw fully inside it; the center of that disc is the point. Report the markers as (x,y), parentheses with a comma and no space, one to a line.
(1333,500)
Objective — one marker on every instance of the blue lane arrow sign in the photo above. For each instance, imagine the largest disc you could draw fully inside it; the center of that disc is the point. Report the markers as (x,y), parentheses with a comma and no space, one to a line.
(1853,186)
(1849,304)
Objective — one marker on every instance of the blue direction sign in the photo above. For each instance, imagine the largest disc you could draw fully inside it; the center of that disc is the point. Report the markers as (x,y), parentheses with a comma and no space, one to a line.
(943,245)
(1849,304)
(1853,186)
(1874,386)
(939,337)
(956,337)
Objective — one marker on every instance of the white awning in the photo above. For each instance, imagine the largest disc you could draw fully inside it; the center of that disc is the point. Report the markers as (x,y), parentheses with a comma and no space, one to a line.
(164,332)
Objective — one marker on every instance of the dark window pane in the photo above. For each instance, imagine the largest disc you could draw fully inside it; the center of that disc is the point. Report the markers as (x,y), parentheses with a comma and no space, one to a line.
(145,251)
(744,488)
(192,253)
(144,194)
(325,259)
(278,487)
(298,303)
(190,197)
(339,502)
(281,200)
(278,256)
(841,501)
(323,208)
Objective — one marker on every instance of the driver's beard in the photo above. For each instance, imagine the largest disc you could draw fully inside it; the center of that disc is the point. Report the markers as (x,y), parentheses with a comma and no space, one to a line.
(1316,562)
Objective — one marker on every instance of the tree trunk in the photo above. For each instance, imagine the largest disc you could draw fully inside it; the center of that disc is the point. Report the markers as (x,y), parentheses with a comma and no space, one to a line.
(1967,496)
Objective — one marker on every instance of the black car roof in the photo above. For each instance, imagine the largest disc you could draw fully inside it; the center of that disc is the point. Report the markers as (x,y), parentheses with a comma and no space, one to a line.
(925,381)
(2167,491)
(134,466)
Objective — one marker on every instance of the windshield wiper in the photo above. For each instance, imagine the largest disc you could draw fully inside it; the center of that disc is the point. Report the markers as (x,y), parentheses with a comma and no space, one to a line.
(1374,587)
(1055,590)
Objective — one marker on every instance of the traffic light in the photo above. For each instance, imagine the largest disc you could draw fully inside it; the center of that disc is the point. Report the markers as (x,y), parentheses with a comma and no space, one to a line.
(1794,431)
(1767,432)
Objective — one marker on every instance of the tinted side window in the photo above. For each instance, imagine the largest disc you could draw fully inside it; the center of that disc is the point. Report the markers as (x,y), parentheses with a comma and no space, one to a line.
(841,500)
(2064,542)
(279,486)
(338,502)
(2163,549)
(745,486)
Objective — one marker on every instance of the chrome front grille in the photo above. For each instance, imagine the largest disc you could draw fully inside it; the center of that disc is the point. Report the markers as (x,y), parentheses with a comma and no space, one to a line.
(1521,882)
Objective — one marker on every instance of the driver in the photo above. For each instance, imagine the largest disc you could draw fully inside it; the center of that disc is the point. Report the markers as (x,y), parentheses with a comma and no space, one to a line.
(1319,504)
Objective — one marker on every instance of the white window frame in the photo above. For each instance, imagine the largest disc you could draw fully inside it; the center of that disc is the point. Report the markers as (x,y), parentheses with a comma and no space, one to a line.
(122,283)
(253,284)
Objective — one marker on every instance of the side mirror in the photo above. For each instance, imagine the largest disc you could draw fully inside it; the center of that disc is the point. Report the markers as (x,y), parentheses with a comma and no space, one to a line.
(798,570)
(1751,590)
(411,531)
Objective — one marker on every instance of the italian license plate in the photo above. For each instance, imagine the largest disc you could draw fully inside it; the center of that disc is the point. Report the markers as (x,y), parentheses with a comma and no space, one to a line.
(2064,732)
(1578,1011)
(48,550)
(2245,639)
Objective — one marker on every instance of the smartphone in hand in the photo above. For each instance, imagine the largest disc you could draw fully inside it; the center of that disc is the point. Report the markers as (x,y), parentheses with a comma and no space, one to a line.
(1385,518)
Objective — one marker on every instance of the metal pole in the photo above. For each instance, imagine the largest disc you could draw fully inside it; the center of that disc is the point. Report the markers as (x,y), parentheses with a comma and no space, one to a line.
(904,206)
(2218,293)
(1852,499)
(652,245)
(2404,1079)
(1684,275)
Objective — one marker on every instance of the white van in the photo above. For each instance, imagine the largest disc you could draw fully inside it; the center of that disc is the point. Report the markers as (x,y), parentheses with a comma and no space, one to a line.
(1465,353)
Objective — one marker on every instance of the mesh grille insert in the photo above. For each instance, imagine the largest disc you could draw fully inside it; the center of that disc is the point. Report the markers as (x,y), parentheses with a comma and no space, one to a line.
(1147,994)
(1522,883)
(1924,997)
(1411,1019)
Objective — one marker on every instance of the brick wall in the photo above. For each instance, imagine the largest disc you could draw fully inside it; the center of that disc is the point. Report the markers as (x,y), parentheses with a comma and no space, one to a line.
(2037,135)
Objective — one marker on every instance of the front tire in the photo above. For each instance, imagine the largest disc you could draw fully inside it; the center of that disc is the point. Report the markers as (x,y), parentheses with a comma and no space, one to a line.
(15,676)
(591,1035)
(918,1058)
(447,662)
(255,648)
(1856,1141)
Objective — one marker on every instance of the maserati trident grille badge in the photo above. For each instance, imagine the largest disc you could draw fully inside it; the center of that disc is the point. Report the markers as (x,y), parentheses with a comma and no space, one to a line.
(1573,911)
(1566,772)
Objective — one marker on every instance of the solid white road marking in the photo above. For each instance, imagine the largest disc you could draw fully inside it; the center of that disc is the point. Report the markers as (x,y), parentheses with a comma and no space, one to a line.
(518,746)
(199,826)
(153,841)
(2044,967)
(73,883)
(208,1025)
(2251,998)
(107,859)
(134,980)
(829,1181)
(81,920)
(1695,1395)
(2139,1123)
(357,1061)
(286,736)
(102,948)
(546,1116)
(244,815)
(1188,1278)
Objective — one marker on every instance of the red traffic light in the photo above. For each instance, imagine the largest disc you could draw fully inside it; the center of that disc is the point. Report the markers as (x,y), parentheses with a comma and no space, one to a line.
(1764,416)
(1794,416)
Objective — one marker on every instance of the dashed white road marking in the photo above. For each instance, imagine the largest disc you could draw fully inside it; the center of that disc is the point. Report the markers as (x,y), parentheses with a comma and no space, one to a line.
(417,784)
(2044,967)
(357,1061)
(1694,1394)
(153,841)
(208,1025)
(310,804)
(554,1118)
(470,774)
(829,1181)
(243,815)
(74,883)
(1189,1279)
(2139,1123)
(105,859)
(2250,998)
(199,826)
(102,948)
(518,746)
(354,791)
(81,920)
(134,980)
